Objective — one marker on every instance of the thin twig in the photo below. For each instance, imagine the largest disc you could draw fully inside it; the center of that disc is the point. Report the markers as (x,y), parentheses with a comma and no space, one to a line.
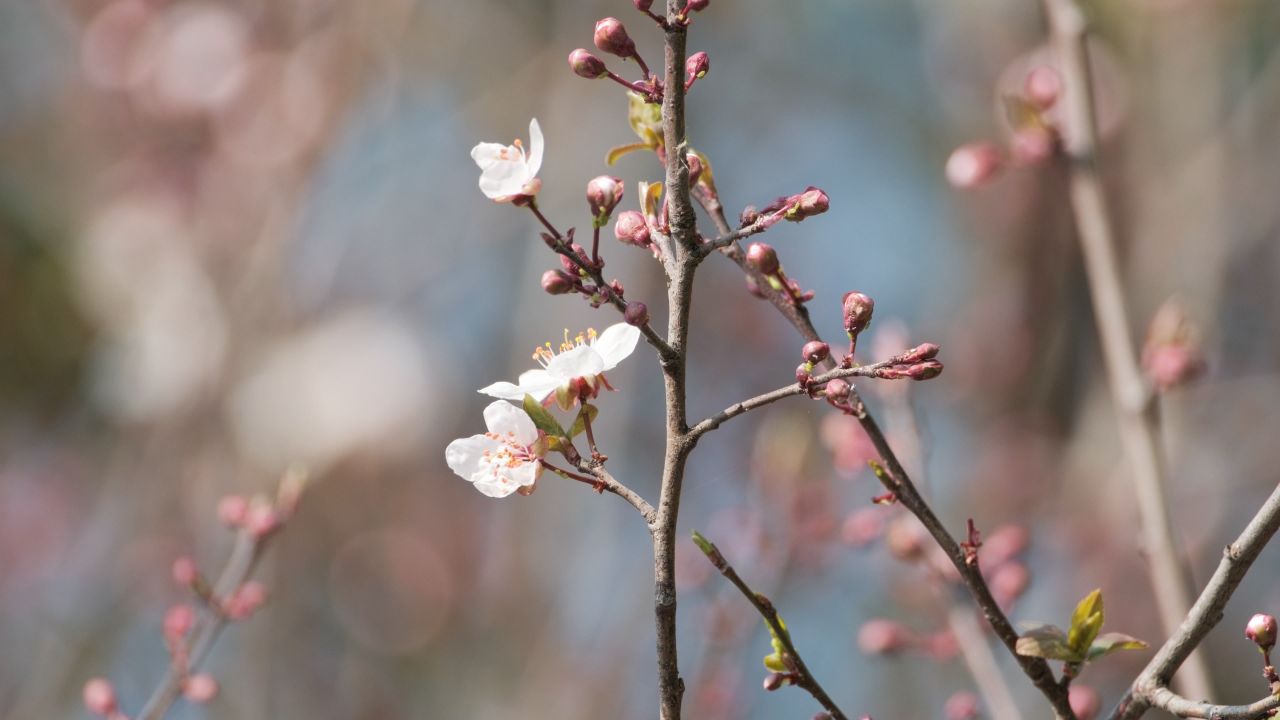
(1139,432)
(801,677)
(1150,689)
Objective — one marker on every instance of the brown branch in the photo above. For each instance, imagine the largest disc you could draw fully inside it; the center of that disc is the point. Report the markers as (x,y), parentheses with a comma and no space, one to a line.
(1150,689)
(1138,423)
(603,481)
(801,677)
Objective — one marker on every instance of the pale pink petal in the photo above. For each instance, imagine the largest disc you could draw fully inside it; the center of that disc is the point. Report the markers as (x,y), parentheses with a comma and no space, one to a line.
(616,343)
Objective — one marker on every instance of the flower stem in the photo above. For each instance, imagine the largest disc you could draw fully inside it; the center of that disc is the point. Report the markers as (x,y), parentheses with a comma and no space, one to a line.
(533,207)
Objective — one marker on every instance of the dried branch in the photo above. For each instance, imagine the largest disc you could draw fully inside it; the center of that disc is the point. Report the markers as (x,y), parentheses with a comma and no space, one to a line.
(1150,689)
(1139,432)
(800,675)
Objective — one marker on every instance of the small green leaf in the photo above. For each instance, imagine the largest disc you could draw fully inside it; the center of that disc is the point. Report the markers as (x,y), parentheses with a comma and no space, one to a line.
(774,662)
(614,153)
(1048,642)
(645,119)
(650,195)
(579,425)
(543,420)
(1086,622)
(703,543)
(1113,642)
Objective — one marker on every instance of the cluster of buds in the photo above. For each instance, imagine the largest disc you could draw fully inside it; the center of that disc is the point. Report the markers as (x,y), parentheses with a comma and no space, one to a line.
(1171,355)
(256,520)
(763,260)
(577,273)
(611,37)
(918,363)
(1035,136)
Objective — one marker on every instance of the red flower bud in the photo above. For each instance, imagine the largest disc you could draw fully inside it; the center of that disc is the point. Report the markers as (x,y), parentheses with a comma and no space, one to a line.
(973,164)
(611,37)
(813,201)
(557,282)
(762,259)
(1262,631)
(586,65)
(838,390)
(696,5)
(643,5)
(603,195)
(632,229)
(925,371)
(803,376)
(857,312)
(100,697)
(815,351)
(696,67)
(636,313)
(919,353)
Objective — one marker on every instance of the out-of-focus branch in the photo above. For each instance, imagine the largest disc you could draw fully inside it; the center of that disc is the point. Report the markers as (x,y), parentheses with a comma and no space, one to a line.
(1137,413)
(981,663)
(800,675)
(1150,689)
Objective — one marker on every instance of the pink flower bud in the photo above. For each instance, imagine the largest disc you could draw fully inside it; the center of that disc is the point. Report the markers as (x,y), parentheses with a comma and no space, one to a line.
(774,680)
(962,705)
(926,370)
(569,264)
(1171,355)
(246,600)
(838,390)
(973,164)
(748,216)
(1009,582)
(1084,701)
(603,195)
(857,312)
(177,622)
(586,65)
(696,67)
(185,571)
(803,375)
(813,201)
(815,351)
(261,520)
(821,716)
(696,5)
(643,5)
(763,259)
(100,697)
(557,282)
(1043,86)
(636,313)
(611,37)
(753,287)
(1033,144)
(695,167)
(879,636)
(632,229)
(919,353)
(232,510)
(1262,631)
(200,688)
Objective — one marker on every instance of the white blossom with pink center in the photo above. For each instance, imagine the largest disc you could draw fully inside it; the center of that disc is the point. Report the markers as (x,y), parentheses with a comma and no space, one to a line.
(503,460)
(581,362)
(506,172)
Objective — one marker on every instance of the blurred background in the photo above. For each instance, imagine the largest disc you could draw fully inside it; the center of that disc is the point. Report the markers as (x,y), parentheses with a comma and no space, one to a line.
(239,234)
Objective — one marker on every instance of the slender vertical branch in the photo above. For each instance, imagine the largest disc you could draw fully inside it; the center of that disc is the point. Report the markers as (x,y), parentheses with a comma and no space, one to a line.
(1138,424)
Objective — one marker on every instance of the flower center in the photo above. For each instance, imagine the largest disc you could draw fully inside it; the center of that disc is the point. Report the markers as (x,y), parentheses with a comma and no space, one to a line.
(509,456)
(545,353)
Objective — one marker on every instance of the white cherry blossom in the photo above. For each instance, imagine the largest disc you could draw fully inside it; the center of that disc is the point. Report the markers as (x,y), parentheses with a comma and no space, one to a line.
(503,460)
(574,372)
(506,172)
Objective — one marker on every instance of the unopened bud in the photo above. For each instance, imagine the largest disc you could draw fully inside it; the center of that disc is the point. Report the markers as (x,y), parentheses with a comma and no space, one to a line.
(1084,701)
(1262,631)
(185,571)
(557,282)
(200,688)
(763,259)
(748,216)
(838,390)
(774,680)
(695,167)
(603,195)
(232,510)
(803,374)
(919,353)
(821,716)
(973,164)
(925,371)
(1043,86)
(857,312)
(178,621)
(696,5)
(813,201)
(1171,355)
(696,67)
(573,265)
(611,37)
(815,351)
(632,229)
(100,697)
(879,636)
(636,313)
(586,65)
(643,5)
(261,519)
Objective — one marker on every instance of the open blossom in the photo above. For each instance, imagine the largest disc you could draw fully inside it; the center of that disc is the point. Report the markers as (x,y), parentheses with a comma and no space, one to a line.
(577,371)
(506,172)
(503,460)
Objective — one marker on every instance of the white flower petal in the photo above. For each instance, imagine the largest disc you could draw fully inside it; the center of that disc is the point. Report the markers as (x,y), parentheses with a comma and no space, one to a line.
(582,361)
(465,455)
(509,421)
(616,343)
(503,178)
(486,154)
(535,148)
(504,390)
(537,382)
